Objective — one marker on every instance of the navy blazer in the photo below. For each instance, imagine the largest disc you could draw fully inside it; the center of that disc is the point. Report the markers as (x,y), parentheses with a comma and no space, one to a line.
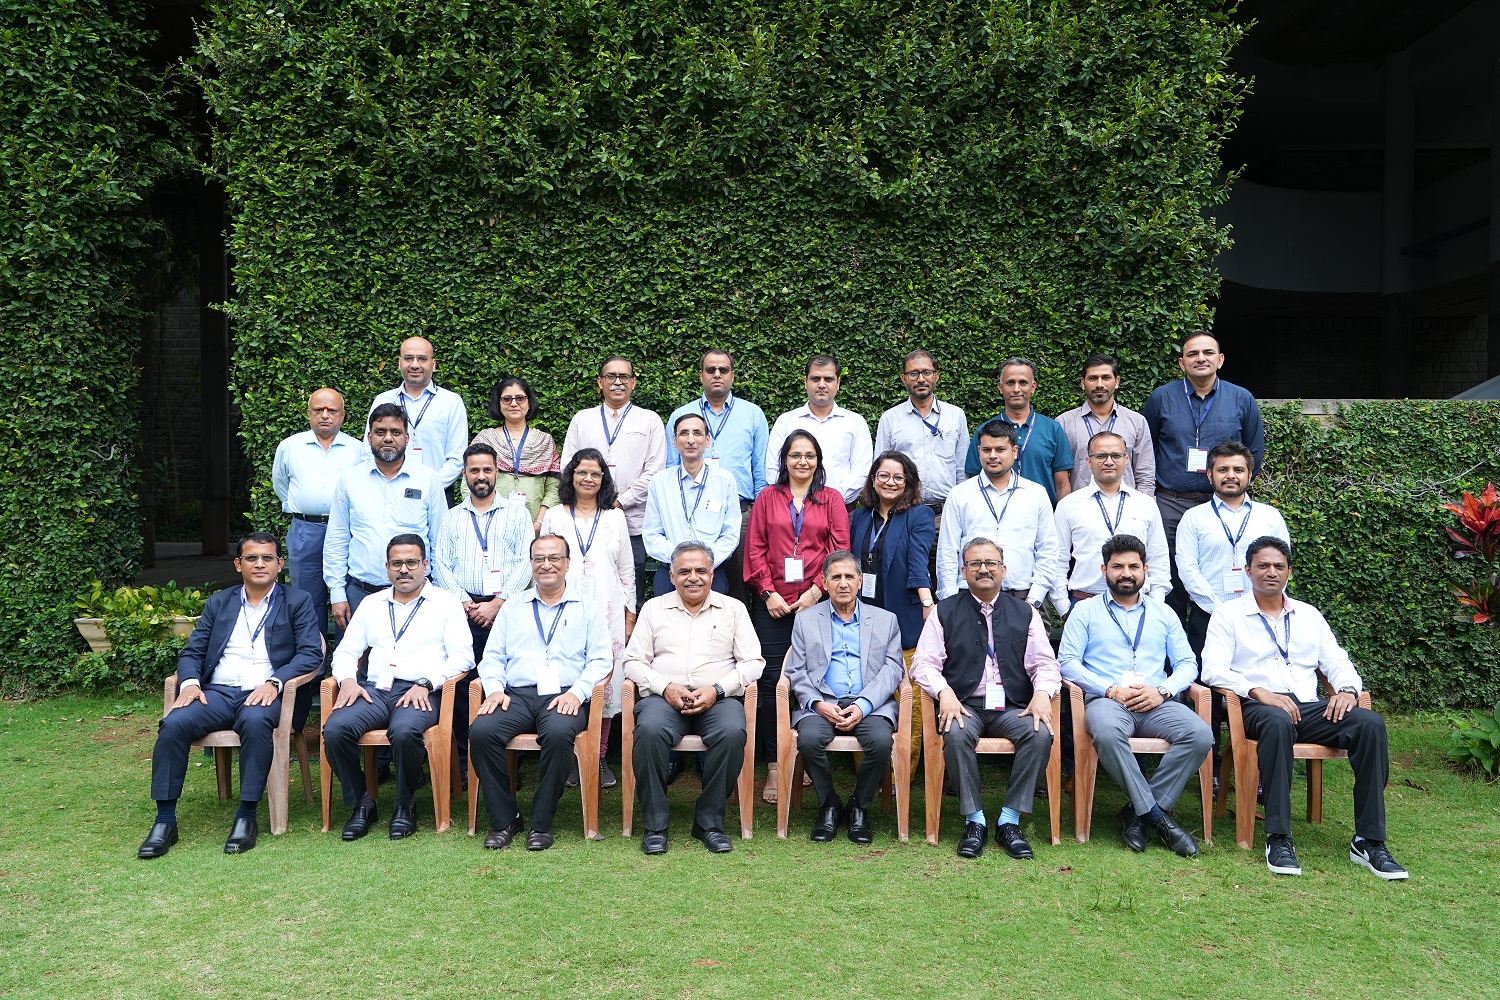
(907,542)
(294,641)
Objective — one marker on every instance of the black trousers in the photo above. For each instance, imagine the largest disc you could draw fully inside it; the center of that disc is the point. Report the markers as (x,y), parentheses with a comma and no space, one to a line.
(1172,509)
(638,555)
(658,728)
(226,709)
(1361,733)
(405,728)
(555,732)
(875,733)
(775,635)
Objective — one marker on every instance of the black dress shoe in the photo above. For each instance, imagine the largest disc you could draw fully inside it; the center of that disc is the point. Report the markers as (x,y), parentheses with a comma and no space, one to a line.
(161,837)
(716,841)
(1008,836)
(971,844)
(403,822)
(1133,828)
(536,840)
(499,840)
(827,825)
(1174,836)
(241,835)
(859,825)
(654,842)
(360,820)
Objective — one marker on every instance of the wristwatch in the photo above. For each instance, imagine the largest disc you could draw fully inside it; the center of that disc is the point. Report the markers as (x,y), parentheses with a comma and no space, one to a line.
(1346,689)
(719,691)
(766,594)
(928,603)
(1165,694)
(1035,604)
(424,682)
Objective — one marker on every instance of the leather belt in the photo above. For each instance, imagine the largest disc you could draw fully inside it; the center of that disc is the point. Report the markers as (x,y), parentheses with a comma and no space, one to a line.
(369,588)
(314,518)
(1080,595)
(482,598)
(1175,495)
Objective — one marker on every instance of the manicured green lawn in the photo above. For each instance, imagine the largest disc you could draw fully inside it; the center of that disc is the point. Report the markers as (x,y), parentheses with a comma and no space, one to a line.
(305,915)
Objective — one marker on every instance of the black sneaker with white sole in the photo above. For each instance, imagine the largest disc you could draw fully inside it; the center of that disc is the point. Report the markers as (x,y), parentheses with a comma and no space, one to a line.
(1280,857)
(1374,856)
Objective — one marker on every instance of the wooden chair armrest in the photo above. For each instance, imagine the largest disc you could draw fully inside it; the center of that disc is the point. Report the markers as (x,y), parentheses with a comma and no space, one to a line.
(1364,699)
(476,698)
(1080,723)
(596,703)
(327,694)
(445,707)
(627,701)
(752,700)
(289,699)
(929,720)
(1234,713)
(1057,712)
(783,706)
(168,695)
(1202,701)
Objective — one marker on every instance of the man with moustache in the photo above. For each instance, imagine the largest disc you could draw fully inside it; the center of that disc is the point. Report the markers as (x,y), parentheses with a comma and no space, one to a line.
(1099,412)
(1043,454)
(932,433)
(437,419)
(843,434)
(1113,648)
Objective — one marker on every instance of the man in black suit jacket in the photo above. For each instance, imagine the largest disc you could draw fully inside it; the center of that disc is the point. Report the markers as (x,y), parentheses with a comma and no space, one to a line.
(250,641)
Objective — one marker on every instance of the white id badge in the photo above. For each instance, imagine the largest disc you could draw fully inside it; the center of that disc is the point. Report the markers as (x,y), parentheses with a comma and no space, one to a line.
(793,570)
(713,463)
(1133,679)
(385,676)
(416,452)
(492,581)
(1234,580)
(1197,460)
(712,506)
(994,697)
(867,588)
(583,587)
(546,679)
(517,495)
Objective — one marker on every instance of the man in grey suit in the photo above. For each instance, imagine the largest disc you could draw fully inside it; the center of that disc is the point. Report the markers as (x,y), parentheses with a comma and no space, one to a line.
(844,667)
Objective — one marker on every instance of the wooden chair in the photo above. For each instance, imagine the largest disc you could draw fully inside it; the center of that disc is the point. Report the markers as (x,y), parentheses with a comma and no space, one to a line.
(789,761)
(688,744)
(1246,766)
(439,740)
(283,742)
(585,746)
(1086,763)
(932,753)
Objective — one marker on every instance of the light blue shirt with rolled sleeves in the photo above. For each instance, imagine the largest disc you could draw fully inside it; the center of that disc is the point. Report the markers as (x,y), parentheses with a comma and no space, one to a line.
(737,437)
(846,669)
(304,475)
(368,511)
(1095,652)
(441,430)
(676,513)
(517,650)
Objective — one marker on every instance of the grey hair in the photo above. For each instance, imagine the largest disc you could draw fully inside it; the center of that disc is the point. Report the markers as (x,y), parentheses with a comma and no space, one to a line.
(692,545)
(981,540)
(1019,361)
(837,556)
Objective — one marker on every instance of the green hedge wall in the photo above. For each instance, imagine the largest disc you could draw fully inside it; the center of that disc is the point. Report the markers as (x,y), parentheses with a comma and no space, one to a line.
(82,139)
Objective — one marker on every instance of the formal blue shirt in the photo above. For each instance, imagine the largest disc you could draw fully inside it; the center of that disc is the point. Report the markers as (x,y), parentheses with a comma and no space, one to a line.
(304,475)
(518,654)
(1180,420)
(1095,652)
(846,667)
(737,438)
(368,511)
(440,428)
(1044,450)
(680,508)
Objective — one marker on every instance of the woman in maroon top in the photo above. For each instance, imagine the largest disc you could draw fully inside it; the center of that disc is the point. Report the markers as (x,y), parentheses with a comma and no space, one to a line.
(794,525)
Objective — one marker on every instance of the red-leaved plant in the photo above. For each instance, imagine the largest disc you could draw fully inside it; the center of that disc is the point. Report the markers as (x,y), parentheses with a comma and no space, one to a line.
(1478,536)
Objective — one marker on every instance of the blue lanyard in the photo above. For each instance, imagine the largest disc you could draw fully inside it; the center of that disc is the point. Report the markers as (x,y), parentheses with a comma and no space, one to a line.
(609,439)
(484,536)
(1009,494)
(1139,628)
(937,416)
(1208,404)
(1286,622)
(1119,512)
(536,611)
(270,606)
(797,517)
(1088,423)
(391,607)
(1234,540)
(682,494)
(401,395)
(583,549)
(713,431)
(876,532)
(515,450)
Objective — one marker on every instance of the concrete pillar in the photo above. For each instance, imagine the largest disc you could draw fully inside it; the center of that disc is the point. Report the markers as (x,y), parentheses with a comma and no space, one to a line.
(213,290)
(1397,208)
(1492,359)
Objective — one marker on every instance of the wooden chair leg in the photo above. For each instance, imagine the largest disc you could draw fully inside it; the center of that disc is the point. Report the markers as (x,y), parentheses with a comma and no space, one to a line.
(1085,776)
(299,743)
(785,749)
(1226,768)
(1246,778)
(1054,790)
(885,791)
(747,768)
(902,780)
(1315,791)
(932,751)
(440,762)
(473,798)
(372,779)
(223,761)
(588,782)
(278,781)
(1206,792)
(627,772)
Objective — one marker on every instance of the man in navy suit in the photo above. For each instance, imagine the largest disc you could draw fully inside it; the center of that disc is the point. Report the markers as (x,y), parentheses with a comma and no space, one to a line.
(844,667)
(249,643)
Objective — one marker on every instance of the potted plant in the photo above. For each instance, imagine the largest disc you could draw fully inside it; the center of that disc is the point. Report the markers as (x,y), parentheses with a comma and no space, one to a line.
(146,608)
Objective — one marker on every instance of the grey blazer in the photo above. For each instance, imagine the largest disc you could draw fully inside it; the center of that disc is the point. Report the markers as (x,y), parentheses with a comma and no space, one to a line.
(806,666)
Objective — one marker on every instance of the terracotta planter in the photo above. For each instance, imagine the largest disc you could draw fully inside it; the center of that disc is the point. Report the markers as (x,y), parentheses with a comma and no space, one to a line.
(183,626)
(92,630)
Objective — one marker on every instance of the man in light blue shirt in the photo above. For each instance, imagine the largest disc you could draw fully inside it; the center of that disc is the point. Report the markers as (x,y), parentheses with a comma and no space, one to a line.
(692,502)
(438,419)
(1113,647)
(546,653)
(304,475)
(738,436)
(932,434)
(372,504)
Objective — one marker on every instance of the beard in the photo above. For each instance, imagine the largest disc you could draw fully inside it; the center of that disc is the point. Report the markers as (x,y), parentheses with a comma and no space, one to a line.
(481,489)
(1125,587)
(389,453)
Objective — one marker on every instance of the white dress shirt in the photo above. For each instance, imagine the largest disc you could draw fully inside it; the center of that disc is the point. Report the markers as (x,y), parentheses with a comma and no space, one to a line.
(518,653)
(936,443)
(1024,530)
(245,663)
(439,425)
(435,640)
(680,508)
(1083,528)
(465,553)
(304,475)
(1212,570)
(1243,651)
(844,437)
(639,451)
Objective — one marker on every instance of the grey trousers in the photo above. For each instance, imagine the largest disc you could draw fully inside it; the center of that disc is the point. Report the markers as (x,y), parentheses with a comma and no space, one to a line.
(1112,725)
(876,735)
(555,732)
(1033,746)
(658,727)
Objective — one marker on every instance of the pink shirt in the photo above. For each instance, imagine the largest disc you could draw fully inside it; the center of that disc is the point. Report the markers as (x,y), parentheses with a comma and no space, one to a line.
(932,651)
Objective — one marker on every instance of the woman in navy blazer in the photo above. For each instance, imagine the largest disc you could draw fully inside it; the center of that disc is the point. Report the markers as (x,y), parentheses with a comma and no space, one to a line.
(892,533)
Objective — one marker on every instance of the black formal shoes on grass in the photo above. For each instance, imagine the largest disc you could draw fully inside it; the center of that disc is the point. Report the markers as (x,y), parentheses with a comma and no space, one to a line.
(403,822)
(499,840)
(654,842)
(241,835)
(1133,828)
(859,825)
(158,841)
(716,841)
(1008,836)
(1175,837)
(360,820)
(536,840)
(971,844)
(827,825)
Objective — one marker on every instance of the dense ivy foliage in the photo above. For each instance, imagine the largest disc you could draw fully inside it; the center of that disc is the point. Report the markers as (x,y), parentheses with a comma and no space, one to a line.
(80,124)
(535,185)
(1363,498)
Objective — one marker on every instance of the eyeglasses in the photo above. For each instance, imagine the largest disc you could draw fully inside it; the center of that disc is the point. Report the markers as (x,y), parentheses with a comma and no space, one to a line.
(616,377)
(717,369)
(259,559)
(514,400)
(1109,456)
(920,373)
(984,564)
(586,474)
(889,477)
(400,564)
(692,432)
(544,560)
